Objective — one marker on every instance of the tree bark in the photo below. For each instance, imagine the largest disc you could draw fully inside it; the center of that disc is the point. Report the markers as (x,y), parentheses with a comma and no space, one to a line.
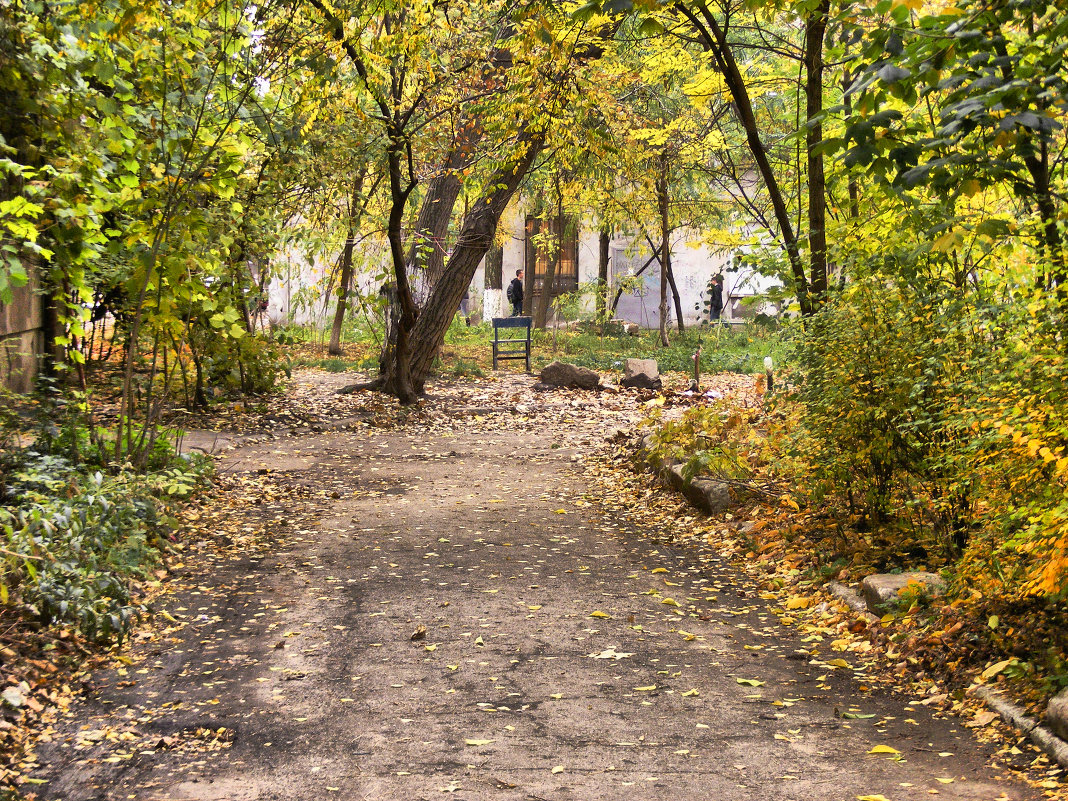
(495,268)
(475,238)
(603,242)
(665,247)
(345,281)
(402,385)
(714,41)
(548,284)
(815,29)
(675,297)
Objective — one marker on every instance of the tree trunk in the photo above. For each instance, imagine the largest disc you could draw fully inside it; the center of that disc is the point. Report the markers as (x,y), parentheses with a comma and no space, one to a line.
(345,281)
(714,41)
(475,238)
(815,29)
(665,248)
(603,241)
(548,284)
(495,268)
(402,386)
(675,297)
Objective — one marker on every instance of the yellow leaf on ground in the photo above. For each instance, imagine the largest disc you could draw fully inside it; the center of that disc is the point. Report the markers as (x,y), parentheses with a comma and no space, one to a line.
(650,688)
(558,769)
(995,669)
(601,614)
(477,742)
(670,602)
(660,570)
(883,749)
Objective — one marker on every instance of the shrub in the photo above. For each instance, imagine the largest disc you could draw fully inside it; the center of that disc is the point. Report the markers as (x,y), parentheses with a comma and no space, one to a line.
(876,373)
(73,536)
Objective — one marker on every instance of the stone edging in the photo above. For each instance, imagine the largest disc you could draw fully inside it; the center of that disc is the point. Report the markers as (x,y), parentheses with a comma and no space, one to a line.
(711,497)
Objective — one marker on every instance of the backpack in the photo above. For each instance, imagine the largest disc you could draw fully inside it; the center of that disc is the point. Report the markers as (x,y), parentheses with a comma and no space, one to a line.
(510,294)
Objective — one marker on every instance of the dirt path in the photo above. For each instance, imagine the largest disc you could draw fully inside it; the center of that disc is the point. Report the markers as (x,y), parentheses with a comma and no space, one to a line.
(440,612)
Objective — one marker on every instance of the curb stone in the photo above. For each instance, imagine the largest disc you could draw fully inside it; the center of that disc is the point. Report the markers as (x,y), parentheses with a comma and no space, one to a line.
(1050,743)
(711,497)
(1046,740)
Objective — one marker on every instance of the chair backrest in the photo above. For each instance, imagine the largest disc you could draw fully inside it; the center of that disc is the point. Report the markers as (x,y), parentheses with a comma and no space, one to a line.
(513,322)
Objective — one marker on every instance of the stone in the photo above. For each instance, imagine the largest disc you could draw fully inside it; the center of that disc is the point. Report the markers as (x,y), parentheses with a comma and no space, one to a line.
(1057,714)
(884,589)
(561,374)
(632,329)
(711,497)
(642,374)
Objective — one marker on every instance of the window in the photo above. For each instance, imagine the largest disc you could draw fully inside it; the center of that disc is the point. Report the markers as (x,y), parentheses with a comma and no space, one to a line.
(538,261)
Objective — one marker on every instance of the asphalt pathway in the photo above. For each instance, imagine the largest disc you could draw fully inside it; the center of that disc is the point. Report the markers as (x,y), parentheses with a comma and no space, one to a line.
(446,614)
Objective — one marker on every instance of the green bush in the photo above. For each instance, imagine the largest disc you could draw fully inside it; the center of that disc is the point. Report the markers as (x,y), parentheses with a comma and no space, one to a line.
(70,541)
(72,535)
(250,364)
(876,372)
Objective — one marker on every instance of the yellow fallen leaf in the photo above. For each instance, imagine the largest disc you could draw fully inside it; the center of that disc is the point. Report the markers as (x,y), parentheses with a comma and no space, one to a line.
(660,570)
(883,749)
(534,607)
(944,781)
(690,694)
(453,667)
(877,797)
(995,669)
(838,663)
(798,603)
(558,769)
(650,688)
(670,602)
(598,613)
(477,742)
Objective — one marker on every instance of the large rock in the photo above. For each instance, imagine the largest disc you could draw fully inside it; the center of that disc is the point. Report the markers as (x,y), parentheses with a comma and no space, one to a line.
(884,589)
(1057,714)
(708,495)
(642,374)
(561,374)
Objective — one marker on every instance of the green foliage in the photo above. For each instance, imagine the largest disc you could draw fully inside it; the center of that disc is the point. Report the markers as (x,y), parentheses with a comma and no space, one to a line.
(921,410)
(72,535)
(70,540)
(874,379)
(251,365)
(715,440)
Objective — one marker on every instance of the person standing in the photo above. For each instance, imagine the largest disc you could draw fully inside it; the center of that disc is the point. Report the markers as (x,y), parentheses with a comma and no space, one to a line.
(715,297)
(515,293)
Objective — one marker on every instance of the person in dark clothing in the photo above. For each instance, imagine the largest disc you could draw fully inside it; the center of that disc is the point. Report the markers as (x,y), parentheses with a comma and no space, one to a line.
(715,297)
(515,293)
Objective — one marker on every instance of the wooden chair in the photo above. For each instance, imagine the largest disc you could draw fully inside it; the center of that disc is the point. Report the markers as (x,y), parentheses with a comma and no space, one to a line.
(511,347)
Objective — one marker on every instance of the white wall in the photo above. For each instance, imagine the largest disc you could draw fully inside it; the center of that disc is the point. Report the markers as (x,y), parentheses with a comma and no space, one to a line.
(693,264)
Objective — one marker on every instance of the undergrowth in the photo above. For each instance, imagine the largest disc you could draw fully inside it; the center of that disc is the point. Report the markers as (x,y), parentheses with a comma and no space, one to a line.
(75,532)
